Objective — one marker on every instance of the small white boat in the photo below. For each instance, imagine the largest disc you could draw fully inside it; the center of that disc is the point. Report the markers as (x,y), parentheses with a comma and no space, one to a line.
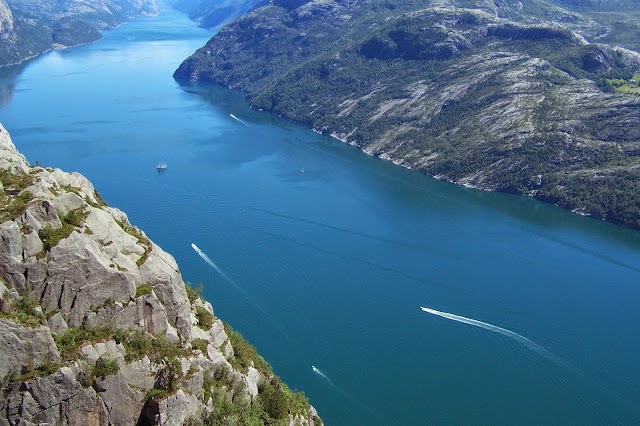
(161,166)
(301,170)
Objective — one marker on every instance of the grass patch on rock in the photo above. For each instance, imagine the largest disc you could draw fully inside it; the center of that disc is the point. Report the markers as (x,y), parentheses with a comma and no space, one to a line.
(204,317)
(51,236)
(24,312)
(143,290)
(144,241)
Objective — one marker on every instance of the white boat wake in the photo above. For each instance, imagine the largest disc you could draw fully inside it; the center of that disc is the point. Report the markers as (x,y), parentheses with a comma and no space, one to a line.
(320,373)
(513,335)
(211,263)
(540,351)
(238,119)
(240,289)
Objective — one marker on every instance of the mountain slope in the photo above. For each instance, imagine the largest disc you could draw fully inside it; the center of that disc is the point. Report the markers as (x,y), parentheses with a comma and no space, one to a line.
(31,27)
(97,326)
(461,94)
(210,14)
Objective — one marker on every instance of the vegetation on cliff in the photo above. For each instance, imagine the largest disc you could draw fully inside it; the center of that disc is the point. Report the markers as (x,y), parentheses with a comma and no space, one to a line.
(97,326)
(462,94)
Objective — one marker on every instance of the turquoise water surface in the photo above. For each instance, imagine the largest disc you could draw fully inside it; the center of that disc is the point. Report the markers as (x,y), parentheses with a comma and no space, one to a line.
(331,265)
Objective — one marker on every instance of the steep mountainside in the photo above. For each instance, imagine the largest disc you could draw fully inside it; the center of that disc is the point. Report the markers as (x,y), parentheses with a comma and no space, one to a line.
(606,21)
(31,27)
(210,14)
(98,328)
(461,94)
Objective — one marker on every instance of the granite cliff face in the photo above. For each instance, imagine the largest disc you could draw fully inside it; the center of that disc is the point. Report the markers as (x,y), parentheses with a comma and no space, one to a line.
(97,326)
(463,94)
(31,27)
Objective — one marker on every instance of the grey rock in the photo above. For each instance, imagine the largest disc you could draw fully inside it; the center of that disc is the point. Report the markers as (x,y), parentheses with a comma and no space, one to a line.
(123,403)
(50,391)
(160,270)
(11,268)
(140,373)
(91,353)
(177,408)
(22,346)
(84,408)
(57,324)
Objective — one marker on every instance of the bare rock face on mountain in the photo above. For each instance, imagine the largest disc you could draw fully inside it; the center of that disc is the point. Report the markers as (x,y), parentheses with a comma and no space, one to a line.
(97,326)
(6,21)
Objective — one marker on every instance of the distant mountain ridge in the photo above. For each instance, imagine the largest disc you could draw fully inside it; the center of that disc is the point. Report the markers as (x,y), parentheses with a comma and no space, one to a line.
(211,14)
(31,27)
(485,94)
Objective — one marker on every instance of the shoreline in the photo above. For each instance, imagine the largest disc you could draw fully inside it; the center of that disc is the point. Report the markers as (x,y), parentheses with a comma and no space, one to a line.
(577,210)
(62,47)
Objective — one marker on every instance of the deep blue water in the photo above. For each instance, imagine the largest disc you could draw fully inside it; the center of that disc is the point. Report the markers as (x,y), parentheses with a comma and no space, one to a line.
(331,265)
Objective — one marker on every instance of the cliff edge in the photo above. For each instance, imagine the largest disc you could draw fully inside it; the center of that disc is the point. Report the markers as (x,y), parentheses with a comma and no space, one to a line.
(97,326)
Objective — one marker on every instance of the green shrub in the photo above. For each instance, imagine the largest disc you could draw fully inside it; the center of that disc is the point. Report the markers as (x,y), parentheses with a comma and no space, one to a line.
(237,411)
(204,317)
(69,341)
(23,311)
(52,236)
(297,400)
(143,290)
(12,207)
(244,354)
(200,344)
(15,181)
(28,372)
(156,394)
(193,293)
(76,217)
(138,344)
(105,366)
(144,241)
(99,199)
(273,401)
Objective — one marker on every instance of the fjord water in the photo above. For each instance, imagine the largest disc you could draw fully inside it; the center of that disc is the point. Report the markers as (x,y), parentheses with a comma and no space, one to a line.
(330,254)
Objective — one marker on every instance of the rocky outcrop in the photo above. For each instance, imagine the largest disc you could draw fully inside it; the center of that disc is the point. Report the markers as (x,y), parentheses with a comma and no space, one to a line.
(6,21)
(96,324)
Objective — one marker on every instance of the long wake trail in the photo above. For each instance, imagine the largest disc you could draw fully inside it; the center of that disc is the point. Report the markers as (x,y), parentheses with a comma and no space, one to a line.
(321,373)
(240,289)
(336,387)
(212,263)
(511,334)
(535,348)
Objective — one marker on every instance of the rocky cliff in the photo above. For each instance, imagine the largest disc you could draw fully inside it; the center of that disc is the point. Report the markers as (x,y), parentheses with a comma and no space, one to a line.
(31,27)
(97,326)
(463,94)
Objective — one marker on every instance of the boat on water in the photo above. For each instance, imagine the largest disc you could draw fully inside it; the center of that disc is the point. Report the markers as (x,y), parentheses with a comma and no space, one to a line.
(161,166)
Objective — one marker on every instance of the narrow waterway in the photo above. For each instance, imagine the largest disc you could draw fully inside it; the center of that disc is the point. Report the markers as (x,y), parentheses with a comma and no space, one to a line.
(330,254)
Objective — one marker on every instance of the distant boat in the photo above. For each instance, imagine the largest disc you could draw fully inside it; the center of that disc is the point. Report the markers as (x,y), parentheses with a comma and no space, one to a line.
(161,166)
(301,170)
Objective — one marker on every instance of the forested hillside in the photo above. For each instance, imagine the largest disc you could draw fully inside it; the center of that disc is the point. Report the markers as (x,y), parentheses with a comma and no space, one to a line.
(478,93)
